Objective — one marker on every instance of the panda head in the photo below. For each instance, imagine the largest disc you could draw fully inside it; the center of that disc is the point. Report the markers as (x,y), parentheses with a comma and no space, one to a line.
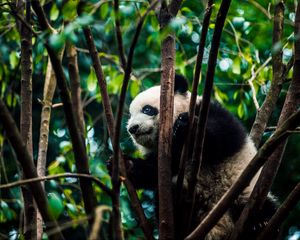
(143,124)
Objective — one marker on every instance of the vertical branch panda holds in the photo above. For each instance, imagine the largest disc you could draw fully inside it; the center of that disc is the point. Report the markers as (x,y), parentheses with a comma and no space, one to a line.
(227,151)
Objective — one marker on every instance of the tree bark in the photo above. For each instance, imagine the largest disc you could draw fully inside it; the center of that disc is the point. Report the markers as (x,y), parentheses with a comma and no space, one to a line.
(79,149)
(182,213)
(269,171)
(281,214)
(26,162)
(30,224)
(269,104)
(49,89)
(204,108)
(75,86)
(166,218)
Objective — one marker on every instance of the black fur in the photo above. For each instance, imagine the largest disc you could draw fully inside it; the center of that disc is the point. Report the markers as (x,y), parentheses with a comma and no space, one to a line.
(181,84)
(224,137)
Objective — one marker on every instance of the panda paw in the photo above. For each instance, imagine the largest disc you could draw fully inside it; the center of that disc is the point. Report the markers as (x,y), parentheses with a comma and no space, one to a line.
(181,123)
(127,160)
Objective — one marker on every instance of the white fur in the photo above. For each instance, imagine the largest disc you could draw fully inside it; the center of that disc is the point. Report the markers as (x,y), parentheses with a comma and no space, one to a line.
(148,142)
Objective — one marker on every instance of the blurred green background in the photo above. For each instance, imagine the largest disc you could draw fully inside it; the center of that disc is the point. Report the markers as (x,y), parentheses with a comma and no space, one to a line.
(246,45)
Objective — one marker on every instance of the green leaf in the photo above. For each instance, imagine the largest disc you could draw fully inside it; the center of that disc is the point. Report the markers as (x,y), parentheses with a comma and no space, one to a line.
(134,88)
(69,10)
(56,206)
(72,210)
(104,11)
(240,111)
(57,41)
(8,213)
(92,80)
(236,66)
(13,59)
(84,20)
(54,12)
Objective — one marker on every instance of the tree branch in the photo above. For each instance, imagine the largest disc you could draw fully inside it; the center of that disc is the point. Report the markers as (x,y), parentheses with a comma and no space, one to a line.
(116,139)
(81,158)
(75,85)
(105,189)
(110,122)
(49,89)
(30,220)
(269,104)
(259,159)
(184,155)
(166,218)
(204,109)
(101,80)
(281,213)
(269,171)
(119,34)
(98,221)
(174,7)
(28,167)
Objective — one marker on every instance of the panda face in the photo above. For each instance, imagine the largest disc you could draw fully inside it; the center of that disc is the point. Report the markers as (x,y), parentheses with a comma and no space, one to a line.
(143,124)
(144,118)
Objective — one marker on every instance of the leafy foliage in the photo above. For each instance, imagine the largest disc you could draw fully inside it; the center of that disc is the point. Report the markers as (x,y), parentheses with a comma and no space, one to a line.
(245,48)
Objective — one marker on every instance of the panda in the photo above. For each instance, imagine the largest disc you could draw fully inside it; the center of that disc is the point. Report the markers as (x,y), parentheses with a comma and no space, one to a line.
(227,151)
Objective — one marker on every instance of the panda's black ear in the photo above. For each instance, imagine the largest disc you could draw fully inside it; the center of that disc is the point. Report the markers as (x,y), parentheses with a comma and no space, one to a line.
(181,84)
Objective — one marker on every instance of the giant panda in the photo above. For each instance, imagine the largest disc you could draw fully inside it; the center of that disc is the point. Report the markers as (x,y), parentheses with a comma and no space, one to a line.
(227,151)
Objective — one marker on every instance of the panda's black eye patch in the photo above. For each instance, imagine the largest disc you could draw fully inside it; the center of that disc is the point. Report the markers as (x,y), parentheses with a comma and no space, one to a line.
(149,110)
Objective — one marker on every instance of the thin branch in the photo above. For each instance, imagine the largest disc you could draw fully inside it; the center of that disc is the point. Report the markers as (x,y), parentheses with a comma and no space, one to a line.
(28,167)
(101,80)
(43,21)
(116,139)
(119,34)
(192,107)
(81,158)
(56,105)
(273,128)
(174,7)
(49,90)
(98,221)
(105,189)
(269,104)
(259,159)
(261,8)
(204,109)
(146,227)
(253,77)
(75,85)
(24,22)
(250,82)
(270,169)
(281,213)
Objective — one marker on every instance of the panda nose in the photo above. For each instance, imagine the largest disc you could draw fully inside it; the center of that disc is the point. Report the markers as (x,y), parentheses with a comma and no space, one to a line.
(133,129)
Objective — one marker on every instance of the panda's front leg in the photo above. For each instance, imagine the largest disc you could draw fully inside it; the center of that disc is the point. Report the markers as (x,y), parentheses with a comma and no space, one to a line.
(141,172)
(180,130)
